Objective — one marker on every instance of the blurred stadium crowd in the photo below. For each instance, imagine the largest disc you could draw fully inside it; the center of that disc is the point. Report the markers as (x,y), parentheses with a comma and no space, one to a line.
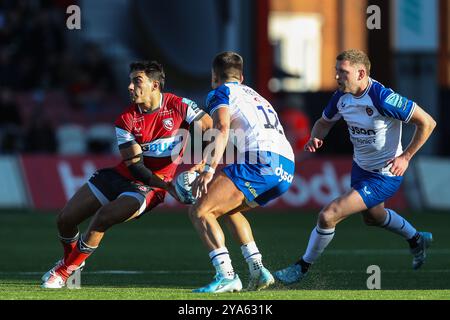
(52,91)
(55,100)
(47,92)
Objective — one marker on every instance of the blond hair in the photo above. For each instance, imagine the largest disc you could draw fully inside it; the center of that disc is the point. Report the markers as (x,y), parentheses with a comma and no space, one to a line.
(355,56)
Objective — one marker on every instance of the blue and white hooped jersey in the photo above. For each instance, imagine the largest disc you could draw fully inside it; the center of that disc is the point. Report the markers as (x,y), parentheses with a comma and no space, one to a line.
(255,125)
(374,122)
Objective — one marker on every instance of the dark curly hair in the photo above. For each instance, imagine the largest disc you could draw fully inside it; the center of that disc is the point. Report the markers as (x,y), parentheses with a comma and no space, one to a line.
(153,69)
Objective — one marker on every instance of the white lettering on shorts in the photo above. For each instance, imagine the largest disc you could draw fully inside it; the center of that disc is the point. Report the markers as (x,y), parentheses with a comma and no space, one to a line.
(284,175)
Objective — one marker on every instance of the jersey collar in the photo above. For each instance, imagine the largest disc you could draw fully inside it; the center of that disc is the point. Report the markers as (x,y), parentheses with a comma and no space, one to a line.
(157,109)
(365,91)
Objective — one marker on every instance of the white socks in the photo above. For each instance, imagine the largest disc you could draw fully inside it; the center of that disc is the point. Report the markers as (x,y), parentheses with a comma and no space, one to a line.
(220,259)
(320,238)
(397,224)
(252,257)
(318,241)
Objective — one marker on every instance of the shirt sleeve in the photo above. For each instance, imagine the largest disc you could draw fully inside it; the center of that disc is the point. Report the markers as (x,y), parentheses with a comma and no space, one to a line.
(393,105)
(123,130)
(192,111)
(218,98)
(331,112)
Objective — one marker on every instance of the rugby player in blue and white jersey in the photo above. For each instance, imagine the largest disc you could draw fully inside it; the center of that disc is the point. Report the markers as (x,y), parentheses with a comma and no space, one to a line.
(374,115)
(263,172)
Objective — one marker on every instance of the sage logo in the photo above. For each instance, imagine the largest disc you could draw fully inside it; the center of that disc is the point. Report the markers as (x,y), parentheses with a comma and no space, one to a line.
(74,20)
(374,280)
(374,20)
(357,130)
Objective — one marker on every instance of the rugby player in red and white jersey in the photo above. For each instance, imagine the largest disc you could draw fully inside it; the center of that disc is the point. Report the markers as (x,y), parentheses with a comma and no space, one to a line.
(151,143)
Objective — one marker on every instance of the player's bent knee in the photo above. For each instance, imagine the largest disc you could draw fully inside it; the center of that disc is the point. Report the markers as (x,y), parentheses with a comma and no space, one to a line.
(197,212)
(329,215)
(60,220)
(326,220)
(64,219)
(106,218)
(370,221)
(374,217)
(202,212)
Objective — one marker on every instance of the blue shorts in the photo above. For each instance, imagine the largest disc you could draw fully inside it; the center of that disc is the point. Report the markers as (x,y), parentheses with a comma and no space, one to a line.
(374,187)
(262,181)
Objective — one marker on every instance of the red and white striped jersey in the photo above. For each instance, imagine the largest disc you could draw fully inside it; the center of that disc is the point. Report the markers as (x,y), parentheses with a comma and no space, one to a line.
(161,133)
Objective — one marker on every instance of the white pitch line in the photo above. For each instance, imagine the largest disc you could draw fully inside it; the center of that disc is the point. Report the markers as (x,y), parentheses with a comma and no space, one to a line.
(173,272)
(390,252)
(120,272)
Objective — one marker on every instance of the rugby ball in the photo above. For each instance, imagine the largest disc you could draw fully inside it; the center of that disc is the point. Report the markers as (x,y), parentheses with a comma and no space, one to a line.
(183,186)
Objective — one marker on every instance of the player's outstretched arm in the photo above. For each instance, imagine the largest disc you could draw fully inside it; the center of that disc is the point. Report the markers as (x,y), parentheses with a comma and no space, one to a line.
(425,125)
(318,133)
(206,122)
(221,120)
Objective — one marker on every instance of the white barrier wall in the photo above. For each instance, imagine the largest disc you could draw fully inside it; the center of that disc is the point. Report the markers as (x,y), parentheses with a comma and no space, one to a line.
(12,189)
(46,182)
(433,180)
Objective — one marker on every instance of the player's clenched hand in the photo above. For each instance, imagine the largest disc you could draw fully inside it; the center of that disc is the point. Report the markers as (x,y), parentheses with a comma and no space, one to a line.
(200,185)
(399,165)
(198,167)
(313,144)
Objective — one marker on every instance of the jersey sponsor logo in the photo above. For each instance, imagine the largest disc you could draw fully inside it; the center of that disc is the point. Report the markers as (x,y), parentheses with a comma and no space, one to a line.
(168,124)
(143,188)
(357,130)
(364,141)
(397,101)
(250,91)
(251,189)
(124,136)
(138,119)
(165,112)
(162,147)
(190,103)
(137,125)
(192,111)
(284,175)
(369,111)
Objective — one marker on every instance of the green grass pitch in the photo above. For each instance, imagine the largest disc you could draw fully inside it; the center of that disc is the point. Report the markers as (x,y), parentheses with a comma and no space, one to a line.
(161,257)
